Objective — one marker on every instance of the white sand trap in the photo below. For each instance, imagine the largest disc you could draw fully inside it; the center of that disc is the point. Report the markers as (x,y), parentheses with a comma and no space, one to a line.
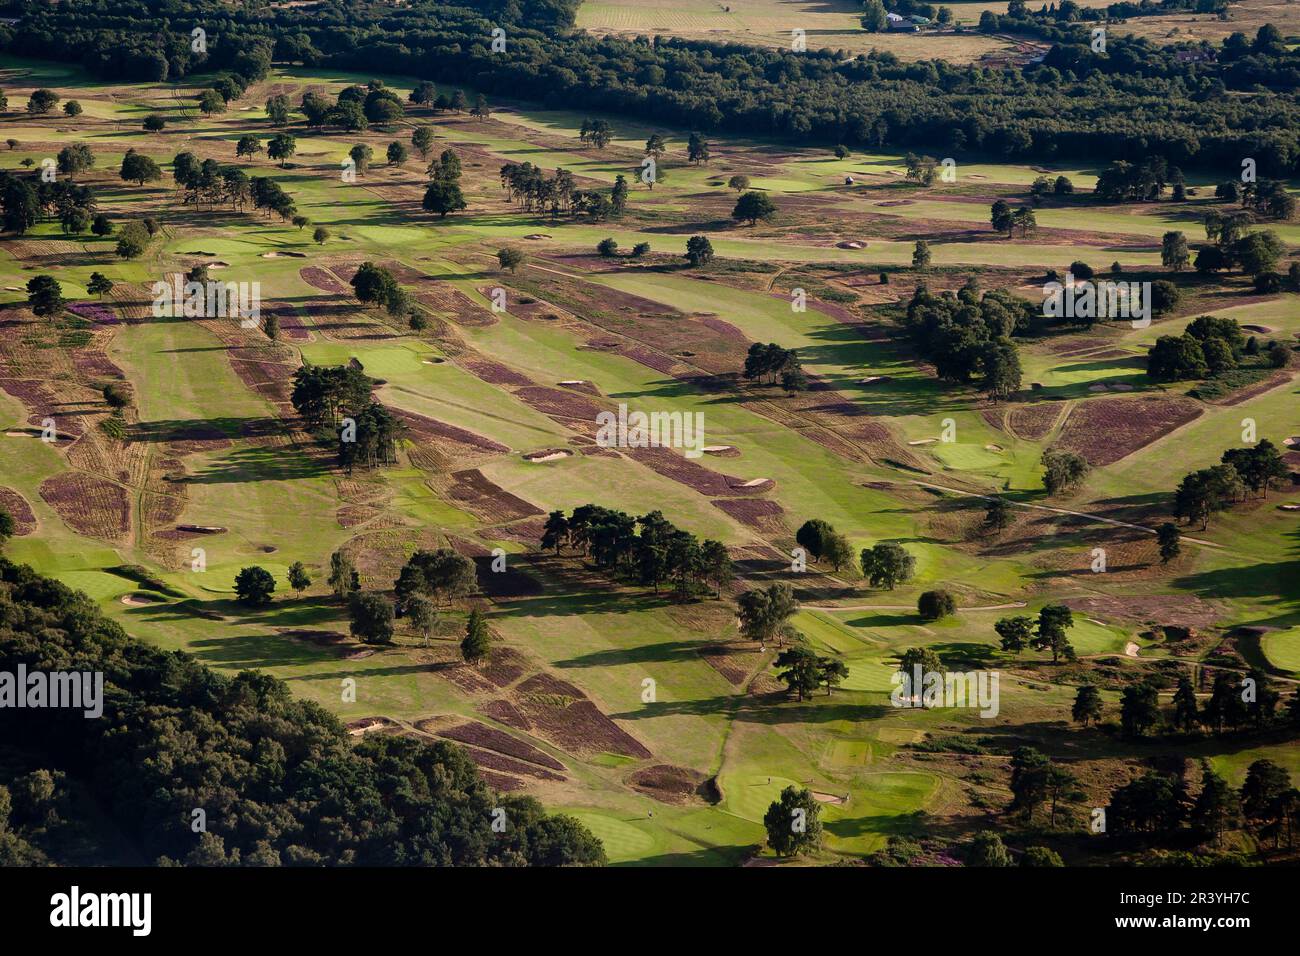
(716,449)
(574,381)
(851,244)
(433,361)
(827,797)
(869,379)
(284,255)
(537,235)
(12,288)
(138,600)
(1289,507)
(923,441)
(1131,649)
(992,447)
(1291,442)
(550,456)
(755,482)
(19,435)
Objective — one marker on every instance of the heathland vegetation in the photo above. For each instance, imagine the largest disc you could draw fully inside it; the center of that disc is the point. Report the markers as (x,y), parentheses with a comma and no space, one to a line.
(369,533)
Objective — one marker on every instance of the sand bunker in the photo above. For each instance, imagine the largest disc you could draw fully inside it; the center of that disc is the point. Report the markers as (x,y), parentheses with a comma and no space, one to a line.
(851,244)
(992,447)
(718,449)
(923,441)
(549,454)
(284,255)
(1131,649)
(1257,328)
(1289,507)
(828,798)
(139,600)
(1291,442)
(755,483)
(537,235)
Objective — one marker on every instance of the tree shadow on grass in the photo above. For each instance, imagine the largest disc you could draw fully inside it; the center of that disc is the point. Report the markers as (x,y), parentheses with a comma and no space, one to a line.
(774,708)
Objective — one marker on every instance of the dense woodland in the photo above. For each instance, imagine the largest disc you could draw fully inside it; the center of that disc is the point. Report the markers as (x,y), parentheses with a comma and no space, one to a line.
(277,778)
(1134,100)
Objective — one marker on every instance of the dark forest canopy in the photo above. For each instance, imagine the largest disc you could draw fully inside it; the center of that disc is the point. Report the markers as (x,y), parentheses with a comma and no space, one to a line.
(1135,100)
(276,777)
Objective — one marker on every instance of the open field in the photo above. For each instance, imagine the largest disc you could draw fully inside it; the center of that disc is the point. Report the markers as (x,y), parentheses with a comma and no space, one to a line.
(210,441)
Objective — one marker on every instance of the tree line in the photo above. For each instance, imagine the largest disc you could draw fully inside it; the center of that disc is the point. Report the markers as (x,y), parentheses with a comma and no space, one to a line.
(1135,100)
(277,776)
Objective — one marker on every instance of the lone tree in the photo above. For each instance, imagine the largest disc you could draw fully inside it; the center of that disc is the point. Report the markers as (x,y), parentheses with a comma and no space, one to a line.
(423,615)
(1087,705)
(254,586)
(509,258)
(793,822)
(1014,633)
(739,182)
(887,565)
(139,169)
(1063,471)
(921,255)
(812,536)
(371,617)
(753,206)
(474,648)
(800,670)
(699,251)
(321,235)
(1053,621)
(343,578)
(987,849)
(763,612)
(936,605)
(41,101)
(45,296)
(1170,539)
(299,579)
(997,514)
(99,284)
(281,147)
(422,140)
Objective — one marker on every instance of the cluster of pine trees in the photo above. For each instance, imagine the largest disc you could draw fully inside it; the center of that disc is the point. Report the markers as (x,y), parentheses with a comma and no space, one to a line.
(276,776)
(649,549)
(967,335)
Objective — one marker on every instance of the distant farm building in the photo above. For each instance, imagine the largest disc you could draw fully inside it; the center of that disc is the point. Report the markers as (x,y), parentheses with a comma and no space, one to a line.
(894,22)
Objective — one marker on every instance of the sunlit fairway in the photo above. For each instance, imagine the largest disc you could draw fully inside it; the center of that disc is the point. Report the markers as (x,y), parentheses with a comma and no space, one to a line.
(717,710)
